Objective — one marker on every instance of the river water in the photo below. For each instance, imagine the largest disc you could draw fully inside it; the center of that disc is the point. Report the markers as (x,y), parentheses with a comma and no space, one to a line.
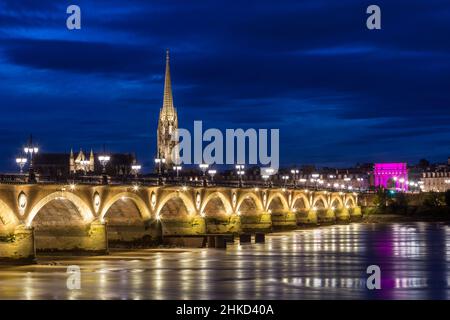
(323,263)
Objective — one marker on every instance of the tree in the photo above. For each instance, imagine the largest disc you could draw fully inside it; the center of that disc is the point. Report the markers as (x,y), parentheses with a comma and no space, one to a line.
(433,200)
(401,202)
(380,198)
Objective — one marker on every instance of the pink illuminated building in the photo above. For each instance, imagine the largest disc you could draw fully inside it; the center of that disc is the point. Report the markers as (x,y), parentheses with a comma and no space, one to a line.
(391,176)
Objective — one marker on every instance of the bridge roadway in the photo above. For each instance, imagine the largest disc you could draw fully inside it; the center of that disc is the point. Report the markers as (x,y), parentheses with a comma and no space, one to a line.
(67,217)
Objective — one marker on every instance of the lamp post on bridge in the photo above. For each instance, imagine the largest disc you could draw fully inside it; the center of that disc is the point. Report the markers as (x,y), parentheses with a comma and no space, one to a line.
(295,173)
(177,169)
(204,167)
(285,179)
(21,162)
(136,168)
(104,160)
(265,174)
(240,172)
(212,174)
(31,150)
(160,162)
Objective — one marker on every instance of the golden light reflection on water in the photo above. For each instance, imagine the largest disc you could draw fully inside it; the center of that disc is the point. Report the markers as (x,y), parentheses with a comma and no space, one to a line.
(329,262)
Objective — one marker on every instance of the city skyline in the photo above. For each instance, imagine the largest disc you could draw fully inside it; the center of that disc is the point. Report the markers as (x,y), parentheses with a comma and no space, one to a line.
(348,95)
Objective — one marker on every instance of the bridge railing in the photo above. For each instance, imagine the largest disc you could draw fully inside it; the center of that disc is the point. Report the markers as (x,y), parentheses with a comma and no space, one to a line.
(166,181)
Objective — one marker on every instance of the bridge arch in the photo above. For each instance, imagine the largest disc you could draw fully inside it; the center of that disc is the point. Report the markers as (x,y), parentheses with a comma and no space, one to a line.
(223,199)
(300,201)
(350,202)
(81,206)
(320,202)
(8,220)
(124,196)
(336,202)
(176,196)
(250,198)
(281,198)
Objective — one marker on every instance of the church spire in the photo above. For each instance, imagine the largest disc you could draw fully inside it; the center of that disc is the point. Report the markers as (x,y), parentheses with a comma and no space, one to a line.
(168,121)
(168,99)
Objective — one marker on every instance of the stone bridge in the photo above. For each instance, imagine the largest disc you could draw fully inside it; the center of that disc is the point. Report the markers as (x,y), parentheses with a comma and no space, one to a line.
(54,217)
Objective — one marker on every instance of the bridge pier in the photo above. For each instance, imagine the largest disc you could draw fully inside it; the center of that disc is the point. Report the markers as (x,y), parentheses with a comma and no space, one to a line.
(342,214)
(148,234)
(195,225)
(223,225)
(326,216)
(257,223)
(306,217)
(283,220)
(90,239)
(18,246)
(355,213)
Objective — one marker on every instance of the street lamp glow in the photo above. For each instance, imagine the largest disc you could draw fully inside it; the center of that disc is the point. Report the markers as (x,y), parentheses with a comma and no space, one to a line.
(136,167)
(104,159)
(21,162)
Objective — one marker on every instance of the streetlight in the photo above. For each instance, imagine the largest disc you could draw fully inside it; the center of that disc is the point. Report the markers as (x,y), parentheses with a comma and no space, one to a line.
(21,162)
(30,151)
(285,178)
(159,162)
(265,178)
(135,168)
(266,173)
(212,173)
(204,167)
(177,169)
(240,172)
(104,160)
(295,172)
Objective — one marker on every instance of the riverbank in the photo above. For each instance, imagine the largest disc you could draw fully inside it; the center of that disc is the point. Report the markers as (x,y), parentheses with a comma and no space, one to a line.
(394,218)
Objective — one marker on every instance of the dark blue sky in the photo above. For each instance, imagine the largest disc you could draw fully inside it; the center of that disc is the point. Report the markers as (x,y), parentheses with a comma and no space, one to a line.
(339,93)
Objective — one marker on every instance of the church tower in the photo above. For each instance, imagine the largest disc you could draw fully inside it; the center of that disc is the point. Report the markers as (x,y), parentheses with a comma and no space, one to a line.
(168,122)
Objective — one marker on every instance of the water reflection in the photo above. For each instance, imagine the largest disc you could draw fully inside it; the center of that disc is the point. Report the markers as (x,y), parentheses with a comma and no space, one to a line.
(325,263)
